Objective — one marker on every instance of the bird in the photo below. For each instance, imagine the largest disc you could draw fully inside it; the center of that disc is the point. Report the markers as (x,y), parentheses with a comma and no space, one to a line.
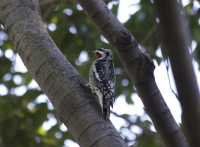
(102,79)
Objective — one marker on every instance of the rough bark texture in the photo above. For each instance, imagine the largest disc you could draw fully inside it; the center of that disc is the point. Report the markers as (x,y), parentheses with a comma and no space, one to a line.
(176,42)
(76,106)
(140,70)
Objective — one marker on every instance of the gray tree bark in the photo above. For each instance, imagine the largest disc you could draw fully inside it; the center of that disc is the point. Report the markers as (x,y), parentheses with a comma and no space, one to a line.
(175,39)
(76,106)
(139,68)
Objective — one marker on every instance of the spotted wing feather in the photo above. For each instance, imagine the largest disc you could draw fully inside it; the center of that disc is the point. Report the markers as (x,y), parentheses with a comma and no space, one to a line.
(106,83)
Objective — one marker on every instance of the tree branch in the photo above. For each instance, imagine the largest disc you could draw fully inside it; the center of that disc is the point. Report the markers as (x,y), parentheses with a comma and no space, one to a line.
(140,70)
(47,2)
(76,106)
(175,40)
(149,34)
(48,11)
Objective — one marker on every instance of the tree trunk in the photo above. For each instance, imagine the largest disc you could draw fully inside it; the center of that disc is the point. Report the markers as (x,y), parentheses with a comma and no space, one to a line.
(175,39)
(76,106)
(139,68)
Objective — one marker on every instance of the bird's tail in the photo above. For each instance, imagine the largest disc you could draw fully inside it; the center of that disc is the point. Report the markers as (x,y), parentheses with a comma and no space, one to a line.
(106,110)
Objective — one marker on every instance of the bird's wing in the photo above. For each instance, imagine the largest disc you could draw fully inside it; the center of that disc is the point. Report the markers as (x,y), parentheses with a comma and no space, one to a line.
(106,77)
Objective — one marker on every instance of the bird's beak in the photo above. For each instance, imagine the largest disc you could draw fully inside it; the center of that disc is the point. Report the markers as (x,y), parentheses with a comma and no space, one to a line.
(91,52)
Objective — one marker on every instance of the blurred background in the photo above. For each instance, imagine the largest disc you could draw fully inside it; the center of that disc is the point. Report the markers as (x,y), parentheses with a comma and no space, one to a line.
(27,118)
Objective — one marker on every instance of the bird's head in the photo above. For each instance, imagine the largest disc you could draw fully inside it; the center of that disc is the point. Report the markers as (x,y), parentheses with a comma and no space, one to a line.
(102,53)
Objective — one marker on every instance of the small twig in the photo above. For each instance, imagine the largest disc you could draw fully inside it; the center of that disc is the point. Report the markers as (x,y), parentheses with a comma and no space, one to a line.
(167,67)
(191,1)
(48,11)
(47,2)
(149,34)
(107,1)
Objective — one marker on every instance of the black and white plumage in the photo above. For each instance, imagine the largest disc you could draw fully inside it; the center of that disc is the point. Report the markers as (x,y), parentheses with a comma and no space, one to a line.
(102,79)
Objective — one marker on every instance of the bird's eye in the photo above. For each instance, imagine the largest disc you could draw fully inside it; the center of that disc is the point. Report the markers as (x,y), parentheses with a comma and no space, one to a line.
(100,49)
(98,55)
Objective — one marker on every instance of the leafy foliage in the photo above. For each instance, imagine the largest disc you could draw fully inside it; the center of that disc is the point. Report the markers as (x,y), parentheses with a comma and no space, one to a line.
(27,117)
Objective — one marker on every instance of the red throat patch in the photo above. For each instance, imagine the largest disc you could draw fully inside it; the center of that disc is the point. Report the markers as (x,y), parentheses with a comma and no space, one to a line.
(98,55)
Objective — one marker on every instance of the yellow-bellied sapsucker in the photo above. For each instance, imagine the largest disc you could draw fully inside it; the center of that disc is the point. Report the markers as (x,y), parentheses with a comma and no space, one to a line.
(102,79)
